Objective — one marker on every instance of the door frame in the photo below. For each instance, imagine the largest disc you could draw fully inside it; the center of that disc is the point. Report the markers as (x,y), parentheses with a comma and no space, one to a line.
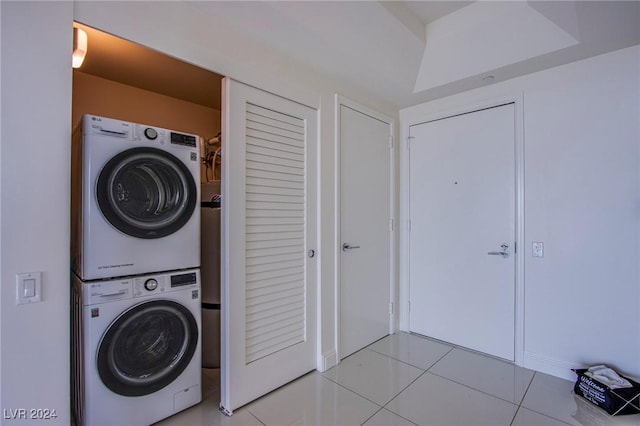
(393,296)
(417,117)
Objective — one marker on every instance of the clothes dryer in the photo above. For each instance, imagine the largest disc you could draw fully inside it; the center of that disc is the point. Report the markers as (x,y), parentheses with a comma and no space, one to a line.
(135,198)
(136,348)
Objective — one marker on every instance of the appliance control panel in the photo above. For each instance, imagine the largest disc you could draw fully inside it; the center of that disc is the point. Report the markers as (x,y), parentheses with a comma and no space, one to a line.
(93,124)
(143,286)
(107,291)
(140,286)
(153,135)
(157,284)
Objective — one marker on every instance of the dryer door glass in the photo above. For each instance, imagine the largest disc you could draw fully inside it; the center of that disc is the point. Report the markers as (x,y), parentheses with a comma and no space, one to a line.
(147,347)
(146,193)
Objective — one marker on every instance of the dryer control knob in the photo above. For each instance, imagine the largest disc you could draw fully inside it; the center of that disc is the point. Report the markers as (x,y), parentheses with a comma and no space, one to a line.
(151,284)
(150,133)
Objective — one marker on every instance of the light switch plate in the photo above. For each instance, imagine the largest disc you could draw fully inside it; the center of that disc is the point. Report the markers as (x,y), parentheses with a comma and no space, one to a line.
(28,284)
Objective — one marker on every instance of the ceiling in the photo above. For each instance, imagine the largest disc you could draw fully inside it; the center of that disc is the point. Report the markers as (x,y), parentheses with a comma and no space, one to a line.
(405,52)
(120,60)
(429,11)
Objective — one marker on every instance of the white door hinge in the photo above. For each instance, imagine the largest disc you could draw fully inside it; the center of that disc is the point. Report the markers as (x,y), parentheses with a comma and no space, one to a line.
(391,225)
(390,141)
(391,308)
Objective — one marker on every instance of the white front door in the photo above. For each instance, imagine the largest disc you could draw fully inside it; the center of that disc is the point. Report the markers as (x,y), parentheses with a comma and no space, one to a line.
(462,217)
(365,212)
(268,230)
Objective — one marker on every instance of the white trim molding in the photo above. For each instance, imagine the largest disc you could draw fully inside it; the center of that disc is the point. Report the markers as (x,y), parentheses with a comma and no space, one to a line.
(328,360)
(552,366)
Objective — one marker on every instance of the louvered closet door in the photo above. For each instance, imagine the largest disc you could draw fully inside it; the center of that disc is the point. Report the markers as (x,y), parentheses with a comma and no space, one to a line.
(269,224)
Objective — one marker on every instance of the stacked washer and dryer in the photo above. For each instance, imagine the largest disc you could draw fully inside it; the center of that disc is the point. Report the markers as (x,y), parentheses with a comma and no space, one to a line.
(136,299)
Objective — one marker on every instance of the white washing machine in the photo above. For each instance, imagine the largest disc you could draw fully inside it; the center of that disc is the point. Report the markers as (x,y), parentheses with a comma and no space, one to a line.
(136,352)
(135,199)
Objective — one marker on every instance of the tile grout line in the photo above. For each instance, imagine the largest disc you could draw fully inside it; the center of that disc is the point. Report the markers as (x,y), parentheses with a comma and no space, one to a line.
(441,358)
(394,396)
(351,390)
(474,389)
(411,365)
(427,371)
(478,390)
(371,416)
(522,400)
(528,387)
(255,417)
(547,415)
(401,361)
(420,375)
(381,407)
(412,382)
(451,348)
(386,356)
(532,410)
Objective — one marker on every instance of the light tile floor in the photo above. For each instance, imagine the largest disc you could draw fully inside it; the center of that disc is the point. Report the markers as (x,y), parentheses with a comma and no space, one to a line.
(405,379)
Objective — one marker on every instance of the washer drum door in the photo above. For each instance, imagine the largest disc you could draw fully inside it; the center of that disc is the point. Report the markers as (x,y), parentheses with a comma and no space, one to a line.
(147,347)
(146,193)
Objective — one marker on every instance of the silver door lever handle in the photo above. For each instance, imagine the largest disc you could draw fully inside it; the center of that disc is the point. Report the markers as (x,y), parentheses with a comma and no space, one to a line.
(504,253)
(347,246)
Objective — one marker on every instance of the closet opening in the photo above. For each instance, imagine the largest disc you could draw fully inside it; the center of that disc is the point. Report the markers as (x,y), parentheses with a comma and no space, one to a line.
(134,93)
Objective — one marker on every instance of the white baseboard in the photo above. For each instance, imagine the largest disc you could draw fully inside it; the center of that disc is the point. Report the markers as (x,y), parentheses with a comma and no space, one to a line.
(552,366)
(328,360)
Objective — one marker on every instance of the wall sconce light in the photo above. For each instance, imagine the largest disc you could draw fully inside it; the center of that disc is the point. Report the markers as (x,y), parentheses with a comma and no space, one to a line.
(80,41)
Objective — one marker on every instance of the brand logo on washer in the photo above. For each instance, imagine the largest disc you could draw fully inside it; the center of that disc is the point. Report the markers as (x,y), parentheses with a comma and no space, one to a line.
(194,156)
(194,294)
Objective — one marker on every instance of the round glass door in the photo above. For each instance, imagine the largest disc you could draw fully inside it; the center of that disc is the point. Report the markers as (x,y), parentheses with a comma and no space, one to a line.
(146,193)
(147,347)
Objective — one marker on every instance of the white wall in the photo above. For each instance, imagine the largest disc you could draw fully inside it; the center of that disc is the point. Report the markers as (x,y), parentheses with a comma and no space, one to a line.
(36,83)
(99,96)
(35,136)
(582,199)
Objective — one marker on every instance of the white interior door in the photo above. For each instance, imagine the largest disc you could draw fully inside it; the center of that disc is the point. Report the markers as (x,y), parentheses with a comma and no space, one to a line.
(462,212)
(365,213)
(268,227)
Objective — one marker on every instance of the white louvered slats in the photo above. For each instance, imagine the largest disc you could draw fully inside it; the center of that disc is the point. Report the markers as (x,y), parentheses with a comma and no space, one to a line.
(269,223)
(274,232)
